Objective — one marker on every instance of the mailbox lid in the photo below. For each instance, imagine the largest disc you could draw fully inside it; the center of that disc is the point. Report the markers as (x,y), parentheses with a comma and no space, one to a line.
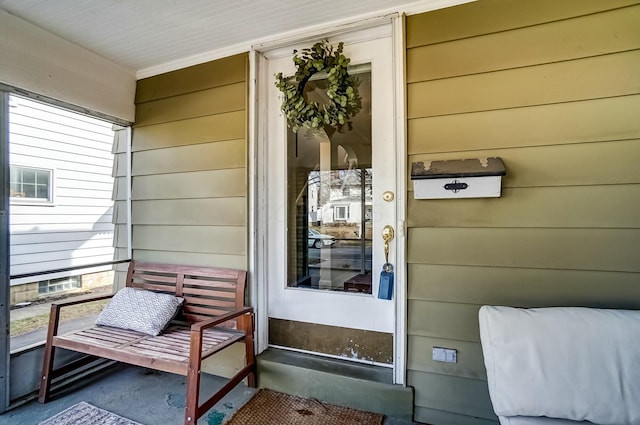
(458,168)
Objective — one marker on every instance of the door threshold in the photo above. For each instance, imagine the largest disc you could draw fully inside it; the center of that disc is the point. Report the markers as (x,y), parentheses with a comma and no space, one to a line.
(331,356)
(332,365)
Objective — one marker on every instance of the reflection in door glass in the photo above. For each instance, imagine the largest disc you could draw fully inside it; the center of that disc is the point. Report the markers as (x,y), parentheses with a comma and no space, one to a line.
(329,200)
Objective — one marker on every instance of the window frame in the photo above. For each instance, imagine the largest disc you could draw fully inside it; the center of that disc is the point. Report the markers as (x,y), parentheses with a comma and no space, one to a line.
(19,200)
(73,282)
(343,216)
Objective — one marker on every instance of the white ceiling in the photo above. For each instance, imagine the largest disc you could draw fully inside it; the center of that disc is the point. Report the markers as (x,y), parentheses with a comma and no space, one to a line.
(143,35)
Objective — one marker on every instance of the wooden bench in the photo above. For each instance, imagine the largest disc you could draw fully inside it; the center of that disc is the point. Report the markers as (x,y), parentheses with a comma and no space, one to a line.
(213,317)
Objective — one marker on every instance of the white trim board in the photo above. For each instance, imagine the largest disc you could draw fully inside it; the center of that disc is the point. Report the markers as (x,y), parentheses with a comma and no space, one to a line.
(257,148)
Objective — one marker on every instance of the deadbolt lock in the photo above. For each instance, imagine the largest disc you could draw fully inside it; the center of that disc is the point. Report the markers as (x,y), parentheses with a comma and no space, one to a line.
(387,196)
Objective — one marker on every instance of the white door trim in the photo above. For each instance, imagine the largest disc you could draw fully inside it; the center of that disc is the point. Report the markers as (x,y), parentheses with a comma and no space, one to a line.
(258,195)
(400,337)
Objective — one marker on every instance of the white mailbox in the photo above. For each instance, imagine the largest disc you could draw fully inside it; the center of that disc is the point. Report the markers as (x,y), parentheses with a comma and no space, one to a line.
(459,178)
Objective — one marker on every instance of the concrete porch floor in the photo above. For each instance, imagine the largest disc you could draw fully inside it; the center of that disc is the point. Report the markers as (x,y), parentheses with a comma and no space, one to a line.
(142,395)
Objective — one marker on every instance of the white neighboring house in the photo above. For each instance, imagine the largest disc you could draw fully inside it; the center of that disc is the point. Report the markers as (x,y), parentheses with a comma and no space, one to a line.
(61,199)
(345,210)
(344,205)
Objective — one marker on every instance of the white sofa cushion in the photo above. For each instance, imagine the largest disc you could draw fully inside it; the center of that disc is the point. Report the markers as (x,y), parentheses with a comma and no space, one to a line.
(564,362)
(538,420)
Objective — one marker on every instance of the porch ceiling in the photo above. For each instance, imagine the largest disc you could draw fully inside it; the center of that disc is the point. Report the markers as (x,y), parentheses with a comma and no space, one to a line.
(141,35)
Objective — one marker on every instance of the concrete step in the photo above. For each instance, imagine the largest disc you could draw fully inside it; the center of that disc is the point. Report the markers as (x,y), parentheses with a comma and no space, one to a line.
(340,382)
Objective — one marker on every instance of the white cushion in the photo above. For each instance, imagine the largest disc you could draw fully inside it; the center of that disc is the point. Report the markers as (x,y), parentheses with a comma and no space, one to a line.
(565,362)
(538,420)
(140,310)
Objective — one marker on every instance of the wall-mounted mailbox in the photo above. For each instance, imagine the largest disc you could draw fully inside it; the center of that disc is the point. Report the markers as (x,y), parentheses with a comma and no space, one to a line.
(459,178)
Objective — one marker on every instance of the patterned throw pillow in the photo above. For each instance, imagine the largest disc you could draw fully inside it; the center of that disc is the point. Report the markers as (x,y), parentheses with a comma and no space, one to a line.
(140,310)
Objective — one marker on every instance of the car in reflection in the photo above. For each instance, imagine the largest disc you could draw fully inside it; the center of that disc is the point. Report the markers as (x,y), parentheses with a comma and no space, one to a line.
(318,240)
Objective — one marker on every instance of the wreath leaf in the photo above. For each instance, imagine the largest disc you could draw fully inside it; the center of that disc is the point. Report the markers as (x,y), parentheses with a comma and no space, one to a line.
(344,99)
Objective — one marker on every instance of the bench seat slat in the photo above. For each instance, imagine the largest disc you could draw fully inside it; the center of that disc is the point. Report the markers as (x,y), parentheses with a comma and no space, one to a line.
(99,333)
(171,366)
(157,354)
(107,330)
(162,348)
(170,348)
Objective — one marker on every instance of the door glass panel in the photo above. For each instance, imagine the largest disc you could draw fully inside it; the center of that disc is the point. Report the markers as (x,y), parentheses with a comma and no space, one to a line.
(329,199)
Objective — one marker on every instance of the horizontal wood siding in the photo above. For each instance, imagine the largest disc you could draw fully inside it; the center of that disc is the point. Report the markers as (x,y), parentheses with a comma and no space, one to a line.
(465,397)
(189,166)
(523,287)
(473,19)
(75,228)
(563,82)
(608,208)
(553,89)
(224,183)
(208,75)
(555,41)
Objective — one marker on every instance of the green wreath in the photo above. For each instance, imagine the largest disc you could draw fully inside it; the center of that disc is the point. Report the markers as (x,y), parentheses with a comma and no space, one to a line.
(344,100)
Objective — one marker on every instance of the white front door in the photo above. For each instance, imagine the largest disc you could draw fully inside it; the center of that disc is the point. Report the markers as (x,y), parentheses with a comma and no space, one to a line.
(328,197)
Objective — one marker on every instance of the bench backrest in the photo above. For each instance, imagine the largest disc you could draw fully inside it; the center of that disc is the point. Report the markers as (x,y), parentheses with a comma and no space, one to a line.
(208,292)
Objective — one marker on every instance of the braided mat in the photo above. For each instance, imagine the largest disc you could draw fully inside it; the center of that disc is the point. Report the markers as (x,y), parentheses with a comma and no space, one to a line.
(269,407)
(86,414)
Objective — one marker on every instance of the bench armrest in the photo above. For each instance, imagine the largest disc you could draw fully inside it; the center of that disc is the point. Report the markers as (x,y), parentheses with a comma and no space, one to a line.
(54,315)
(85,300)
(200,326)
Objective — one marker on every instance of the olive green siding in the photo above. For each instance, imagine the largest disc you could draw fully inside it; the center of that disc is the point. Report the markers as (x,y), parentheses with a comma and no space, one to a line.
(189,167)
(553,88)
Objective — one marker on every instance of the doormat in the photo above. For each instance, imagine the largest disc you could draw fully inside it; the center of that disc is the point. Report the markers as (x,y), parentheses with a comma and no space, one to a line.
(269,407)
(86,414)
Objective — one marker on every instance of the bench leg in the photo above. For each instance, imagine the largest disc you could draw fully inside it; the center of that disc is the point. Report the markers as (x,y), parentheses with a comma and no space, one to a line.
(45,378)
(193,408)
(247,324)
(49,352)
(193,379)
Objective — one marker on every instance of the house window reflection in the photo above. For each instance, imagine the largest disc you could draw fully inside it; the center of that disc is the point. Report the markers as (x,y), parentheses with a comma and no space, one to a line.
(330,210)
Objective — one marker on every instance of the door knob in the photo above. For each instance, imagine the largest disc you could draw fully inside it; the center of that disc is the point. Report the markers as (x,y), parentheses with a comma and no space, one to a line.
(387,233)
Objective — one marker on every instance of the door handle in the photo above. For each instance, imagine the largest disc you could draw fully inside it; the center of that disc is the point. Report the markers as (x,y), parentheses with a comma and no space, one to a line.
(385,290)
(387,236)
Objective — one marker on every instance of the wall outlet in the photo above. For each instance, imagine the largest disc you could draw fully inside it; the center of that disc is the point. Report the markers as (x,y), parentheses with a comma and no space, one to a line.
(447,355)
